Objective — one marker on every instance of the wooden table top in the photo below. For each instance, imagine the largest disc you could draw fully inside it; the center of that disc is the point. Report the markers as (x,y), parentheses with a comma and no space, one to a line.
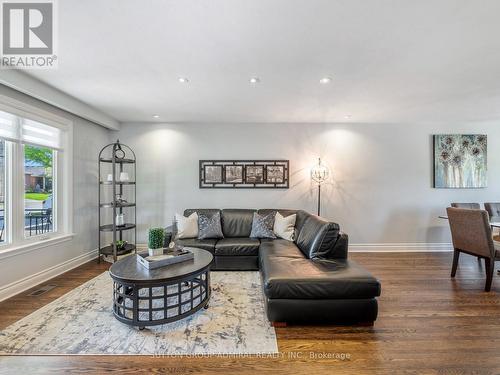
(129,270)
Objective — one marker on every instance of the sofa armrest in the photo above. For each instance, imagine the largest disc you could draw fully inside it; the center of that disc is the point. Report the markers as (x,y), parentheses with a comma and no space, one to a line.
(339,250)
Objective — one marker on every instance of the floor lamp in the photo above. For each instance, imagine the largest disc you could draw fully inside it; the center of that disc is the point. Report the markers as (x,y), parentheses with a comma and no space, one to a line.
(319,174)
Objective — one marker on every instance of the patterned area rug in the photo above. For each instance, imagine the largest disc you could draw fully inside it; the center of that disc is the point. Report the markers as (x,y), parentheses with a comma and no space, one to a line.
(82,322)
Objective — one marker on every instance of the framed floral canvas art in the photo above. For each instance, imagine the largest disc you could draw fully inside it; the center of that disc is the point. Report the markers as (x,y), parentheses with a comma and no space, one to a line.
(460,161)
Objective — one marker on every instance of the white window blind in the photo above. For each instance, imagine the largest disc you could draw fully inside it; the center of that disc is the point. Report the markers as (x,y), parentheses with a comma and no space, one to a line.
(9,129)
(17,129)
(36,133)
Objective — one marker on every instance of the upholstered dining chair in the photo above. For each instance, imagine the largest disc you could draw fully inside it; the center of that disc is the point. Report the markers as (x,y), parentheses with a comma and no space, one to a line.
(471,206)
(493,210)
(471,234)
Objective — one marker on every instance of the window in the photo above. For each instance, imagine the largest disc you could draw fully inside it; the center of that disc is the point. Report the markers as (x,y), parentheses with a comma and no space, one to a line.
(34,177)
(38,191)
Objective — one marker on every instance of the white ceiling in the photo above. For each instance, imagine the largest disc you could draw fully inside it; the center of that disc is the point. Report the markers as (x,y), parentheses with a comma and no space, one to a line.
(391,61)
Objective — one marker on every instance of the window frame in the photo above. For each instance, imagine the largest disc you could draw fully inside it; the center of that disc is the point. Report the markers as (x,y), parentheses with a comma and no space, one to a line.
(15,189)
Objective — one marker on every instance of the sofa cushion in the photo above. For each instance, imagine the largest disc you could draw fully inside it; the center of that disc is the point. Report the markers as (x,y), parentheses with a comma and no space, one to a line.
(237,222)
(317,237)
(300,278)
(186,227)
(209,226)
(262,226)
(237,246)
(279,248)
(284,227)
(302,216)
(208,244)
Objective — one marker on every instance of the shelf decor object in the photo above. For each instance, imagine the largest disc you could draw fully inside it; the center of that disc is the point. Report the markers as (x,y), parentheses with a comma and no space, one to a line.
(319,174)
(121,159)
(244,174)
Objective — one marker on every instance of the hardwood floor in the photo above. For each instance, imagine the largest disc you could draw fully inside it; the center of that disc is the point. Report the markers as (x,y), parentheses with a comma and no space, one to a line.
(428,324)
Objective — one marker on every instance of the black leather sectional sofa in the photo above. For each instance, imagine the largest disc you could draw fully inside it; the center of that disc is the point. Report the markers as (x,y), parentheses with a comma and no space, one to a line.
(309,280)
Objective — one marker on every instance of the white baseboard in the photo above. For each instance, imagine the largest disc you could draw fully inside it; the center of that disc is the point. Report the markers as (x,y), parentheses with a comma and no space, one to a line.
(401,247)
(28,282)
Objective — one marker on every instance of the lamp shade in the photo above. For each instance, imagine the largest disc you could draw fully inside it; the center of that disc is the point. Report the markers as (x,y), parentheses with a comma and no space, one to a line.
(319,173)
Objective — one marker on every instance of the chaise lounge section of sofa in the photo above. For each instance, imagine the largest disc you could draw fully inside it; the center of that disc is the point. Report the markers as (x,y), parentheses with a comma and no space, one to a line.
(308,280)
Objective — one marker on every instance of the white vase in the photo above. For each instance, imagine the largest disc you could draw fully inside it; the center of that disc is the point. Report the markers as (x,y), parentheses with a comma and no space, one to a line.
(153,252)
(120,220)
(124,176)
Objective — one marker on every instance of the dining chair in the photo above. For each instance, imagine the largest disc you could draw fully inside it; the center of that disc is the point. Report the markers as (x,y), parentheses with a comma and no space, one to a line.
(493,210)
(471,206)
(471,234)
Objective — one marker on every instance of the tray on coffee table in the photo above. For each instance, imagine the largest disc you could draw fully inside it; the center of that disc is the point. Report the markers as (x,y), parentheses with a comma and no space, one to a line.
(169,256)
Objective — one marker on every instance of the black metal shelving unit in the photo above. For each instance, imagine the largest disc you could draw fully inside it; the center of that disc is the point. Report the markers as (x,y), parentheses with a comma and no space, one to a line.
(122,159)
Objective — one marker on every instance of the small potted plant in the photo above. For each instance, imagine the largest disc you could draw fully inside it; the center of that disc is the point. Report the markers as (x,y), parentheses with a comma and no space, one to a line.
(120,244)
(155,241)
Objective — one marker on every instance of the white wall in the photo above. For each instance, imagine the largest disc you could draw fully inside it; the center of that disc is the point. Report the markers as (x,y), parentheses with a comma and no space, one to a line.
(381,191)
(17,272)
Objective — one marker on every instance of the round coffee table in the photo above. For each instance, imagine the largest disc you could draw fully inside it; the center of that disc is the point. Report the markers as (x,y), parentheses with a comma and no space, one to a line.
(143,297)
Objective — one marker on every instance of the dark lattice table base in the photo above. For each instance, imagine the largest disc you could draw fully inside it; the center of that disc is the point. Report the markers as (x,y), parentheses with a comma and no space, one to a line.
(153,303)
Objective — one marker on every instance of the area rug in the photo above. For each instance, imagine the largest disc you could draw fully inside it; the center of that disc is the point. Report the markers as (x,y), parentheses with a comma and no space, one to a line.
(82,322)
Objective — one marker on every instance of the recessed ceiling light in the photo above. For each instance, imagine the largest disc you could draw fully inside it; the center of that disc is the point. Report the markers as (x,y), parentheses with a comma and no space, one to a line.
(347,117)
(183,80)
(156,116)
(254,80)
(325,80)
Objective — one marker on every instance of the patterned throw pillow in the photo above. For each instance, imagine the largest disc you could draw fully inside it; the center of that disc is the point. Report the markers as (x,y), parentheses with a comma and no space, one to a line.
(209,226)
(262,226)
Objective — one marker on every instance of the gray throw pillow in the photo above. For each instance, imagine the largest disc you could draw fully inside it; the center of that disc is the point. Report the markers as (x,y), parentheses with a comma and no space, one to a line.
(262,226)
(209,226)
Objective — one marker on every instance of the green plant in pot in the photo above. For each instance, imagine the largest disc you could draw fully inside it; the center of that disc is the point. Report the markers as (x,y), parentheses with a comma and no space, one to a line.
(120,244)
(155,241)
